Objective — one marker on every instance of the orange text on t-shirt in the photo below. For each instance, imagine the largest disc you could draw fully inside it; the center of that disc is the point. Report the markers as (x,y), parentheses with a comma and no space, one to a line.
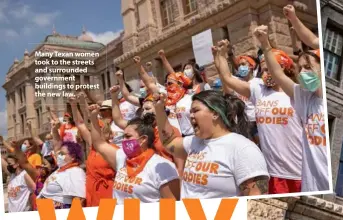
(194,163)
(263,108)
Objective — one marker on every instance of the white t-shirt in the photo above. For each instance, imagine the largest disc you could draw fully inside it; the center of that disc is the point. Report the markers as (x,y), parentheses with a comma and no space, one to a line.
(183,108)
(216,168)
(18,193)
(46,149)
(146,185)
(62,187)
(172,118)
(280,131)
(249,106)
(315,169)
(128,111)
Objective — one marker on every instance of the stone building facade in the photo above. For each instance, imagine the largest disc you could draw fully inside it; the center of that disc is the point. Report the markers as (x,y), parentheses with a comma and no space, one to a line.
(23,106)
(151,25)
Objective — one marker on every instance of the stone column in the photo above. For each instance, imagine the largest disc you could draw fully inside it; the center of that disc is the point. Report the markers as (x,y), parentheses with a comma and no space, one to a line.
(148,27)
(241,30)
(30,109)
(9,115)
(130,27)
(17,116)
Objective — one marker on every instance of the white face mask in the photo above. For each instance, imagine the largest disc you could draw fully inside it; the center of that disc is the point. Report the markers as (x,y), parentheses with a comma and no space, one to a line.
(60,160)
(189,73)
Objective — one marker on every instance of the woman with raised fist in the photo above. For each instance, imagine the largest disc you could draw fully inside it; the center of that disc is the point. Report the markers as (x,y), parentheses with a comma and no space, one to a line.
(221,161)
(279,127)
(307,97)
(148,114)
(141,173)
(99,174)
(19,187)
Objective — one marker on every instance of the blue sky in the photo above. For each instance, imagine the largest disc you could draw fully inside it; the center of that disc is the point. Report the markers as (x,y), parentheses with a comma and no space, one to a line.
(24,22)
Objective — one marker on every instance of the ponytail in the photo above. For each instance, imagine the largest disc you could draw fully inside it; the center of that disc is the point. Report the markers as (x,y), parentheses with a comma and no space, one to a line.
(229,107)
(237,116)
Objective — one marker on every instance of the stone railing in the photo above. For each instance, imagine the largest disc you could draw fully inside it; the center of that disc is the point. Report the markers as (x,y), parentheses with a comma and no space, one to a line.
(294,208)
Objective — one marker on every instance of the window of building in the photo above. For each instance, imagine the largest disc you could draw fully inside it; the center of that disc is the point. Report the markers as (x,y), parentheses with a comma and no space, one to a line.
(108,79)
(333,45)
(138,20)
(103,82)
(189,6)
(21,96)
(331,120)
(38,115)
(339,185)
(167,13)
(22,124)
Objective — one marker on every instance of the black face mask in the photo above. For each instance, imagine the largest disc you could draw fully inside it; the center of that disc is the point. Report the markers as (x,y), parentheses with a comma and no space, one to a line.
(11,169)
(149,118)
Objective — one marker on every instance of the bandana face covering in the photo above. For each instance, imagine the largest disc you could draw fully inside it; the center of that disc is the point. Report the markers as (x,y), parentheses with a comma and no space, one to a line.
(175,93)
(268,80)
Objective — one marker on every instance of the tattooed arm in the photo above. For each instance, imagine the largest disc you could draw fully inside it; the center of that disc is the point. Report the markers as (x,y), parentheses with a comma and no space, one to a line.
(255,186)
(170,139)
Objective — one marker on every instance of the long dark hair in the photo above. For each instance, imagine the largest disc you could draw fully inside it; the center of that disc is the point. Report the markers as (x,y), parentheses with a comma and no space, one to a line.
(144,127)
(196,72)
(52,162)
(230,109)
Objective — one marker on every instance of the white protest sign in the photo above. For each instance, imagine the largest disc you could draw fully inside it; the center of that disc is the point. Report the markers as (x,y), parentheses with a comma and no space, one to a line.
(202,44)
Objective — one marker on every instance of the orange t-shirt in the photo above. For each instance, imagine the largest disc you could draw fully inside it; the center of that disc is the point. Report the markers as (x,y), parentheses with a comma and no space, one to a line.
(99,178)
(160,150)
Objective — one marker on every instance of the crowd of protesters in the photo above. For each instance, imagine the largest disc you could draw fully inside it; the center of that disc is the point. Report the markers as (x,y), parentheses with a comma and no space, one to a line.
(259,128)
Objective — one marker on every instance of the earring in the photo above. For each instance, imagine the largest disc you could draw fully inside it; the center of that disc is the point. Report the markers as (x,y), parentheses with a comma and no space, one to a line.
(215,117)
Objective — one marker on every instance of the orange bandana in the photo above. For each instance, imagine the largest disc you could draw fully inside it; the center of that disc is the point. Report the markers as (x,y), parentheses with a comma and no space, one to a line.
(68,166)
(248,59)
(282,58)
(175,93)
(136,165)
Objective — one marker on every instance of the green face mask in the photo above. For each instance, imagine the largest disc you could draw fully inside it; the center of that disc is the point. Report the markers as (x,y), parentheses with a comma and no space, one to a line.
(309,81)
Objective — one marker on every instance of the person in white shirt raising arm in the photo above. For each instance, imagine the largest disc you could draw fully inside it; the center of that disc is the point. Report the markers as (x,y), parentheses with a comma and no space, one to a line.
(220,161)
(141,173)
(305,34)
(279,127)
(308,99)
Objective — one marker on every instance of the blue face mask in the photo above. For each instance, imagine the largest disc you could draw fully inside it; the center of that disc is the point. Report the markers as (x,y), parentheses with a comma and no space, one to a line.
(142,92)
(309,81)
(243,71)
(23,148)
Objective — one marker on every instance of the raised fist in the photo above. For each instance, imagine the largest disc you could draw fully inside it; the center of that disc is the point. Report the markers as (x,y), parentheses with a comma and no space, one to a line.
(148,64)
(137,59)
(119,74)
(289,12)
(114,89)
(94,109)
(261,33)
(161,53)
